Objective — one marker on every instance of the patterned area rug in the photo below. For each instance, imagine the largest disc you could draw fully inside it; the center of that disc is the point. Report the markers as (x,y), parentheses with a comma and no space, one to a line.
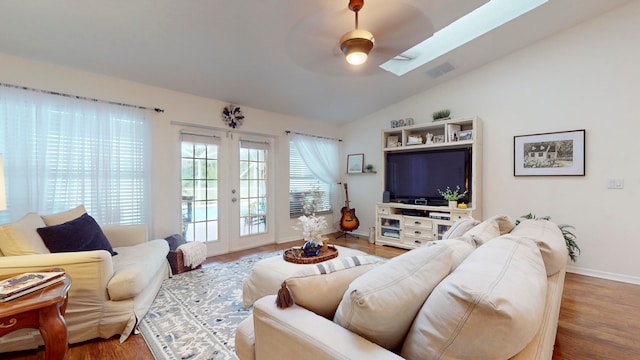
(196,313)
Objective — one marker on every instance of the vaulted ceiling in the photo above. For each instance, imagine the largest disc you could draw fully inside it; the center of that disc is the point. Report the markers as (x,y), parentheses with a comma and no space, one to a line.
(277,55)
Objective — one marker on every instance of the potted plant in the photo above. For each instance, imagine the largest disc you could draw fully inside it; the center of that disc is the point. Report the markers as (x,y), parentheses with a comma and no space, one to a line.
(368,168)
(441,115)
(569,237)
(452,195)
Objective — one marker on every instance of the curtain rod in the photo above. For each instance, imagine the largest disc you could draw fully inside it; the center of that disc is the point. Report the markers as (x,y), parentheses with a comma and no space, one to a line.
(315,136)
(158,110)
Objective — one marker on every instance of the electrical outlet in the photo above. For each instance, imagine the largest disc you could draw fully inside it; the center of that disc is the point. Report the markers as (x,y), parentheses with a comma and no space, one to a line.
(615,184)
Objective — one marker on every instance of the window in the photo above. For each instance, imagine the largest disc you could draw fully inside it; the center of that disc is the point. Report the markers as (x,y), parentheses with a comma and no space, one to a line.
(60,152)
(199,162)
(303,184)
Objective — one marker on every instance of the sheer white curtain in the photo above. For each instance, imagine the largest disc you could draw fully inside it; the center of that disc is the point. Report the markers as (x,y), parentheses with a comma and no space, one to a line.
(61,152)
(322,158)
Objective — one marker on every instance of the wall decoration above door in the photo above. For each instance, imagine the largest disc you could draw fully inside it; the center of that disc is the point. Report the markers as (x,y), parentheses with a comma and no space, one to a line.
(232,116)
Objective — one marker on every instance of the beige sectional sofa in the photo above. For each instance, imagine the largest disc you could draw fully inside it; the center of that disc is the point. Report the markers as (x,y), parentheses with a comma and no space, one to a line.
(491,291)
(108,295)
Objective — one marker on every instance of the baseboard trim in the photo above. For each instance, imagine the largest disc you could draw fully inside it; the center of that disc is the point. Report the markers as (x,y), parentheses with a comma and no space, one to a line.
(604,275)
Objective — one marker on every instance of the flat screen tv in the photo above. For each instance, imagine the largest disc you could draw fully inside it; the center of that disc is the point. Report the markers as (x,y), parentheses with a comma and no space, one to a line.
(419,175)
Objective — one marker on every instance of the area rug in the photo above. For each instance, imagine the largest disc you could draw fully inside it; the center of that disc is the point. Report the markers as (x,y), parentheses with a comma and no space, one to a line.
(195,314)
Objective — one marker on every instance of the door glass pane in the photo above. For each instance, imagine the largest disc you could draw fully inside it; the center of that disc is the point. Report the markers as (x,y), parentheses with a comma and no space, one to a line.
(199,179)
(253,185)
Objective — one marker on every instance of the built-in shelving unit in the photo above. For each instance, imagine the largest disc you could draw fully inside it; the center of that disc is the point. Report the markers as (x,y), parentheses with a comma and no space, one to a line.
(412,225)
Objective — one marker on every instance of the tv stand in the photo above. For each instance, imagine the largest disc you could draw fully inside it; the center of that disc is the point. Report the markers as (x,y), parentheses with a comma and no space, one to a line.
(396,222)
(400,225)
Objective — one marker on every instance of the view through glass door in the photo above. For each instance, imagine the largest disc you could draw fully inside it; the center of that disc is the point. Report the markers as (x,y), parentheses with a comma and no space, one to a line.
(226,191)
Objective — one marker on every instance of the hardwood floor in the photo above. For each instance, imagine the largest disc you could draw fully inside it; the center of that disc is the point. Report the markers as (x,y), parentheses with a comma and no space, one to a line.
(599,319)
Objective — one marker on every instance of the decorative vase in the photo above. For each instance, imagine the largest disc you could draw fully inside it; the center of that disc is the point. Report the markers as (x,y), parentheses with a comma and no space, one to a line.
(311,249)
(453,204)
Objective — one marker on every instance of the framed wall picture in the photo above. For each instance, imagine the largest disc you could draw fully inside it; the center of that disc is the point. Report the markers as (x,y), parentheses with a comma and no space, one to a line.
(392,141)
(557,153)
(355,163)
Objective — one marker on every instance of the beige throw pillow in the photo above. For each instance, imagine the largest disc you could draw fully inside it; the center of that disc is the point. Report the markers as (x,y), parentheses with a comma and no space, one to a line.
(505,224)
(482,233)
(320,288)
(459,228)
(381,304)
(489,308)
(64,216)
(21,237)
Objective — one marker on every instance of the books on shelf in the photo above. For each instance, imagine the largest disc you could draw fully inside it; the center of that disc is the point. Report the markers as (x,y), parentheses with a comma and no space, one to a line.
(453,131)
(27,283)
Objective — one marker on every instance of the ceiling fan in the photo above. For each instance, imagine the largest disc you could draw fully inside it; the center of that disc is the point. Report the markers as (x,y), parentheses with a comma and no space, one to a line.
(357,43)
(320,41)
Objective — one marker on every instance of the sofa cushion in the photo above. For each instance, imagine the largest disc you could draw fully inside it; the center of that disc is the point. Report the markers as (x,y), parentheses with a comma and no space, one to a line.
(134,268)
(459,250)
(64,216)
(482,233)
(490,307)
(320,288)
(81,234)
(549,239)
(459,228)
(381,304)
(21,237)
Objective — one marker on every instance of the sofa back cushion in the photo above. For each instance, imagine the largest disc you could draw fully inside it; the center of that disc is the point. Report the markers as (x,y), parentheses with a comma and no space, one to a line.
(549,239)
(490,307)
(381,304)
(21,237)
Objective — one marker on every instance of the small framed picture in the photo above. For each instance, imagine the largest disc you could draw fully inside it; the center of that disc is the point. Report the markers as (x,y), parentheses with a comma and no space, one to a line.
(557,153)
(465,135)
(355,163)
(438,139)
(392,141)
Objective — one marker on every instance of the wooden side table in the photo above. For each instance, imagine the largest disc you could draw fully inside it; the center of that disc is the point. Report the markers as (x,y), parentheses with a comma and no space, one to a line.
(43,310)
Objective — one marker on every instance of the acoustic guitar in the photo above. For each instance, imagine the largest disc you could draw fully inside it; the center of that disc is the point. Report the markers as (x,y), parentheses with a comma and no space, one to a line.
(349,221)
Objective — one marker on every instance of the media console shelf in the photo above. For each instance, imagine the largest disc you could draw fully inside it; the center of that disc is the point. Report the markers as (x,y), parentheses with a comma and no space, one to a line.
(412,225)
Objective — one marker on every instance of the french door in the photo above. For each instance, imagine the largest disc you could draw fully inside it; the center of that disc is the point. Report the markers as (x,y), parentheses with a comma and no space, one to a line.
(227,188)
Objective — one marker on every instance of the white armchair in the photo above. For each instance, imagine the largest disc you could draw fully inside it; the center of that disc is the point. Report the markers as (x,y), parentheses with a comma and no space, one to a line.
(108,294)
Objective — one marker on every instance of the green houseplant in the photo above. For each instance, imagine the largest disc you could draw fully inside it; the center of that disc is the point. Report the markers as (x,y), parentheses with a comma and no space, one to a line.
(452,195)
(441,114)
(569,237)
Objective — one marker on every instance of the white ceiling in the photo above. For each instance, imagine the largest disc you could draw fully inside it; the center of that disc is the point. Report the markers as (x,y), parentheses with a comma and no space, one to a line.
(276,55)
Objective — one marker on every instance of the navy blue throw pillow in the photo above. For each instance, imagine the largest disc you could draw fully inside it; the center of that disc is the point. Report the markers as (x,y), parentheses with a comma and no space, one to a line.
(80,234)
(175,240)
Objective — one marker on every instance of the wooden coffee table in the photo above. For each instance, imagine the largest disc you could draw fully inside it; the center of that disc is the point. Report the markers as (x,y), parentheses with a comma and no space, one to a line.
(43,310)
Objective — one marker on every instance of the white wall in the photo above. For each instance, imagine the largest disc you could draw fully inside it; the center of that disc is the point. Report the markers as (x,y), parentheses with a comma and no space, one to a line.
(587,77)
(179,107)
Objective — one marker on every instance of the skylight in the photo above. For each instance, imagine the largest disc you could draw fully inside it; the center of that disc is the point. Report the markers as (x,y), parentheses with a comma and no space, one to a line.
(476,23)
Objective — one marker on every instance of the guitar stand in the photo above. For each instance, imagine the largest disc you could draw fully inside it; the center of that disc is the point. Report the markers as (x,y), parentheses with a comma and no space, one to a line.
(346,235)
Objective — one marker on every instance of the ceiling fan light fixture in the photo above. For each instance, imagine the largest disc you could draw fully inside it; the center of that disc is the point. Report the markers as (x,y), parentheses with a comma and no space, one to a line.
(356,45)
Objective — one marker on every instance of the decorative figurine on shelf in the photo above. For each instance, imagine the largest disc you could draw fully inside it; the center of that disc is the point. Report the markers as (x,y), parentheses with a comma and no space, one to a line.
(429,138)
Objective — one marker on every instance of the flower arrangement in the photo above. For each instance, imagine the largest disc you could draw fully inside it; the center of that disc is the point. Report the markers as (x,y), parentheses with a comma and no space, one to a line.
(312,225)
(452,195)
(312,228)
